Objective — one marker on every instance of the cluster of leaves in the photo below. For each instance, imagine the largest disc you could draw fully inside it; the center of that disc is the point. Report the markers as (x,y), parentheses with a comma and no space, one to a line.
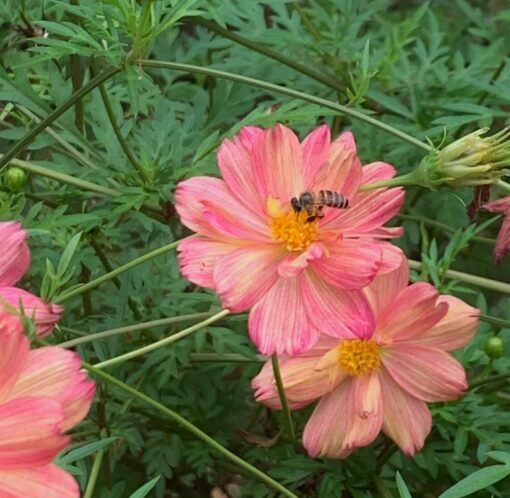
(110,166)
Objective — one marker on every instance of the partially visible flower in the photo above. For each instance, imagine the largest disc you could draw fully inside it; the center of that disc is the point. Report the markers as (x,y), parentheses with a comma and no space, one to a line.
(297,276)
(42,393)
(14,253)
(382,381)
(502,247)
(18,301)
(469,161)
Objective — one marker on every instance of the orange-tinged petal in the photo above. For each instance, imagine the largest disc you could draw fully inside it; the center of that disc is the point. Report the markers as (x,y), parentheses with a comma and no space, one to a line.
(455,329)
(368,408)
(198,257)
(56,373)
(412,313)
(235,163)
(342,171)
(315,149)
(303,383)
(392,257)
(278,322)
(407,420)
(14,347)
(48,481)
(294,263)
(207,206)
(243,276)
(424,372)
(349,263)
(15,255)
(30,432)
(385,287)
(336,312)
(278,164)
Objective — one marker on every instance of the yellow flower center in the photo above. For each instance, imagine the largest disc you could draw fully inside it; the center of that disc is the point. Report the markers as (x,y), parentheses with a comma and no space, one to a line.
(358,357)
(294,231)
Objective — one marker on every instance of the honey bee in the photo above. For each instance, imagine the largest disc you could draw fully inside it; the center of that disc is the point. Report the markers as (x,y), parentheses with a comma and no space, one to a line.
(314,203)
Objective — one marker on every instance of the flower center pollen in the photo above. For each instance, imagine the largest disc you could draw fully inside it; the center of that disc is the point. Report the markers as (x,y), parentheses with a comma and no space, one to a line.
(294,231)
(358,357)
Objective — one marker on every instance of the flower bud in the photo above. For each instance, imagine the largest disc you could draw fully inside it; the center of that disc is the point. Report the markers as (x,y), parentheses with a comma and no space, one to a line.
(15,178)
(45,315)
(469,161)
(15,255)
(494,347)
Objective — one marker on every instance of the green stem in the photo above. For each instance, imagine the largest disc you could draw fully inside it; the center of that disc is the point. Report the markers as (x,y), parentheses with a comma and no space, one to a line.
(132,328)
(328,80)
(486,283)
(494,320)
(226,358)
(121,269)
(94,474)
(406,180)
(163,342)
(193,429)
(62,177)
(50,118)
(503,185)
(118,133)
(287,417)
(290,93)
(488,380)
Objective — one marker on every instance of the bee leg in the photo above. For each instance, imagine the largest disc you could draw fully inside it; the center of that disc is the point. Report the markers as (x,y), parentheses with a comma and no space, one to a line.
(311,218)
(296,205)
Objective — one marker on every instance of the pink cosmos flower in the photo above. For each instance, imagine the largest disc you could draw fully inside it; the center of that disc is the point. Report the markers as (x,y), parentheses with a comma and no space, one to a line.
(43,393)
(14,261)
(15,255)
(298,277)
(382,381)
(502,246)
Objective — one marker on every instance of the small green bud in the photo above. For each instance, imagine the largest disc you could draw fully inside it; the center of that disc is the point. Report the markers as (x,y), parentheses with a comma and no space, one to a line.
(469,161)
(494,347)
(15,178)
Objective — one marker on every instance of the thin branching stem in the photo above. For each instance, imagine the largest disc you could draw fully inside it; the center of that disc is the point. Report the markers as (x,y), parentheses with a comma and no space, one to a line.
(163,342)
(121,269)
(134,328)
(193,429)
(290,93)
(53,116)
(287,417)
(468,278)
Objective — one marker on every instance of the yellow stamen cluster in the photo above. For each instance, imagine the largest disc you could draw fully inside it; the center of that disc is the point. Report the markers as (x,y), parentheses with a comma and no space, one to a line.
(294,231)
(358,357)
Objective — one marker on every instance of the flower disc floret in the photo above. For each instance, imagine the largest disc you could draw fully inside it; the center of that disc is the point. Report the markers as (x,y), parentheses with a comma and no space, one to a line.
(358,357)
(294,230)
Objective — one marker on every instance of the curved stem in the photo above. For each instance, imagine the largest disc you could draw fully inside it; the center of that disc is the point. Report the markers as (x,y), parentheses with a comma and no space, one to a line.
(94,473)
(287,417)
(328,80)
(116,129)
(163,342)
(488,380)
(407,180)
(30,136)
(194,430)
(132,328)
(486,283)
(290,93)
(121,269)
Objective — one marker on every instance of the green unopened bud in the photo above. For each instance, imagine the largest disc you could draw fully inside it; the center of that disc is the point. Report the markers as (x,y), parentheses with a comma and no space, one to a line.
(469,161)
(15,178)
(494,347)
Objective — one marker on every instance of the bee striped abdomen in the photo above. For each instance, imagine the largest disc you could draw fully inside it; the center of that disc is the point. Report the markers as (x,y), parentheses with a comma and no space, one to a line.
(333,199)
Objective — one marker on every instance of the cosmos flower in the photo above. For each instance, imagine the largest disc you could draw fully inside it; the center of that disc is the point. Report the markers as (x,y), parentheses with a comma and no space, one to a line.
(43,393)
(502,247)
(14,261)
(299,275)
(382,381)
(15,255)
